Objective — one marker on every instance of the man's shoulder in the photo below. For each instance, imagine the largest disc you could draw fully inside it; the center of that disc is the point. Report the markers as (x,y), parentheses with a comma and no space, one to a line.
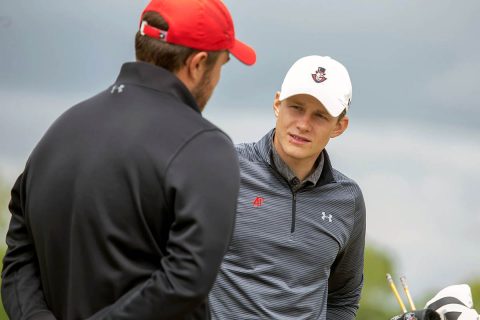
(212,137)
(341,177)
(246,150)
(244,146)
(346,182)
(350,189)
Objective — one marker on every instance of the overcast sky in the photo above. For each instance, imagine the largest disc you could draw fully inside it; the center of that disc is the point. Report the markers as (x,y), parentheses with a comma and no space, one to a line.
(414,139)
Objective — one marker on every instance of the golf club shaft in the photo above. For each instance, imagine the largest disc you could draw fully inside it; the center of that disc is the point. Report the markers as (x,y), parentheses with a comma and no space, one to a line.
(403,280)
(395,292)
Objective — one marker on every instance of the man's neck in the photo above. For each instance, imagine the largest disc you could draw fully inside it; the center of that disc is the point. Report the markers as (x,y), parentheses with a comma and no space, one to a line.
(302,168)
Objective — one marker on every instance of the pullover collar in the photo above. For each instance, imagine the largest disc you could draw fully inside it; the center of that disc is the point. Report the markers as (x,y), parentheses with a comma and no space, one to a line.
(151,76)
(264,147)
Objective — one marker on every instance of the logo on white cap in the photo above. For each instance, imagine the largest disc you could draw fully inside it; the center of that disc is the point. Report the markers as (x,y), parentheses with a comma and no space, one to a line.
(334,90)
(319,75)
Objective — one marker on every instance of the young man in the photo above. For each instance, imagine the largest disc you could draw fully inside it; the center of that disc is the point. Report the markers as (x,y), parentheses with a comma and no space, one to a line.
(123,210)
(297,249)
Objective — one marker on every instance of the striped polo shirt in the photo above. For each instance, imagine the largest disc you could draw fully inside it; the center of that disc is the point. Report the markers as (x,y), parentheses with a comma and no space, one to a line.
(294,254)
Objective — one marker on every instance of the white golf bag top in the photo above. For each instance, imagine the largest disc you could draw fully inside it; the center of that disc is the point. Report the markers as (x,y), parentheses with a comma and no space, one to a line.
(454,303)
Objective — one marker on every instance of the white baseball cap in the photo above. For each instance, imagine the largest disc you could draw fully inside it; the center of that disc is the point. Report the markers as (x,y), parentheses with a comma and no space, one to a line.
(324,78)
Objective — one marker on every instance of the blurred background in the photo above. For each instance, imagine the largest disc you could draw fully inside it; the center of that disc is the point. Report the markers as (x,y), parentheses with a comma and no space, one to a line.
(413,143)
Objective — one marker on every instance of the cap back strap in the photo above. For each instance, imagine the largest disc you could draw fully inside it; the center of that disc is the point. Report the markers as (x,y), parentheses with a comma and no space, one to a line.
(152,32)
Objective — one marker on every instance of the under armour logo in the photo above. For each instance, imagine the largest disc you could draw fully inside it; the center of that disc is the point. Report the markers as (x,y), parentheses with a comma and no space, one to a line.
(258,202)
(119,88)
(324,216)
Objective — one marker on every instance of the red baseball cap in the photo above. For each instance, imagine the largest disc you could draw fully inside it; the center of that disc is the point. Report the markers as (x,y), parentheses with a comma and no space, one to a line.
(204,25)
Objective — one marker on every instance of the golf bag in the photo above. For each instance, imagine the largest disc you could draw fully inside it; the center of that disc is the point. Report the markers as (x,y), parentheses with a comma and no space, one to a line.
(451,303)
(454,303)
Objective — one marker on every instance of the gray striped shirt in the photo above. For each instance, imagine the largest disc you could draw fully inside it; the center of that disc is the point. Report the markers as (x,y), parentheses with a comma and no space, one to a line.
(294,255)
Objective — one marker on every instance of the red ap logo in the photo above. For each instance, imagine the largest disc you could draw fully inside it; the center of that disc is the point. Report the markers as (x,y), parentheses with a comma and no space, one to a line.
(258,202)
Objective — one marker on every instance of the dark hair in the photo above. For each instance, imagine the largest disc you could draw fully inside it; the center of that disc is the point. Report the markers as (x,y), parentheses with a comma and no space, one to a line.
(160,53)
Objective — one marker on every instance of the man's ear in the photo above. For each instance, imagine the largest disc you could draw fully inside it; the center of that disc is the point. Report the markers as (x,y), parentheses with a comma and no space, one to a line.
(192,71)
(195,66)
(276,104)
(340,127)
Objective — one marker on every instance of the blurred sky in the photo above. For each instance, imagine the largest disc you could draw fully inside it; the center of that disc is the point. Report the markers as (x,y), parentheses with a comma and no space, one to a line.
(414,136)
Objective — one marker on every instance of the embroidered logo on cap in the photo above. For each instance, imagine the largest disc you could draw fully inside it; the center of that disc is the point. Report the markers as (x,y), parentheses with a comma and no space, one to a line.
(319,75)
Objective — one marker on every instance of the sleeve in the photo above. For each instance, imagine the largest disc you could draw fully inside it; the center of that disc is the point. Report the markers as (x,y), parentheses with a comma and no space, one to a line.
(22,293)
(202,184)
(346,277)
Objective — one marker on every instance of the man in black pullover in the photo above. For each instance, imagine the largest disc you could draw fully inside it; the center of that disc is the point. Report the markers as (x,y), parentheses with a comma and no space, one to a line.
(126,205)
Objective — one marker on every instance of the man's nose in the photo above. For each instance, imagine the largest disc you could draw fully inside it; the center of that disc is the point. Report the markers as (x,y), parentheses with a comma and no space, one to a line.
(303,123)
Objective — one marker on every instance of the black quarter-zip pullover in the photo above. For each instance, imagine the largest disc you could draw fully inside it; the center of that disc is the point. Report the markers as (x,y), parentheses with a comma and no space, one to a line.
(125,207)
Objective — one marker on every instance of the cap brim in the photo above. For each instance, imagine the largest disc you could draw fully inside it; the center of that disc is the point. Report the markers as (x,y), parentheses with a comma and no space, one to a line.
(333,106)
(243,52)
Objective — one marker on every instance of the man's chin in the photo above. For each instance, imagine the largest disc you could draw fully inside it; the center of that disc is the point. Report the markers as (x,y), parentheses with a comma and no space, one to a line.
(298,155)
